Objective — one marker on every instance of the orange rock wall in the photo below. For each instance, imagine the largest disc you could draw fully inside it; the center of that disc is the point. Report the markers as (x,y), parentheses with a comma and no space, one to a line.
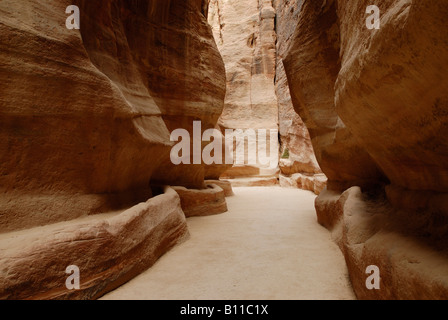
(86,114)
(85,122)
(376,105)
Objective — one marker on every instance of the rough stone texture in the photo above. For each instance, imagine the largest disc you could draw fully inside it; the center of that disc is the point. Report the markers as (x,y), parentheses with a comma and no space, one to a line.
(315,183)
(257,90)
(394,95)
(85,117)
(245,34)
(81,117)
(268,247)
(224,185)
(203,202)
(109,249)
(376,105)
(368,234)
(254,182)
(68,131)
(312,66)
(296,146)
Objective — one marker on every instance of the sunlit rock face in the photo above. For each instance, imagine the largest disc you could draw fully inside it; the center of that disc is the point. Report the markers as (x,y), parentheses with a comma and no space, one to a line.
(245,35)
(376,104)
(85,123)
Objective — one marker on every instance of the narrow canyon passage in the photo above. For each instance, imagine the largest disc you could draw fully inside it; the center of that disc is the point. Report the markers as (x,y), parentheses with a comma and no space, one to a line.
(119,119)
(267,246)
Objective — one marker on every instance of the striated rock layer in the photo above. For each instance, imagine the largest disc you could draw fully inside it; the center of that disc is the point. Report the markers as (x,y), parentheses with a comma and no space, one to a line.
(296,144)
(85,122)
(376,106)
(312,65)
(315,183)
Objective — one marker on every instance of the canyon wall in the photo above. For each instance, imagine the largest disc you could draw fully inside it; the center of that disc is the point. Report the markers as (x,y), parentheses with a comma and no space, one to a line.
(298,164)
(86,116)
(376,106)
(85,122)
(253,37)
(245,35)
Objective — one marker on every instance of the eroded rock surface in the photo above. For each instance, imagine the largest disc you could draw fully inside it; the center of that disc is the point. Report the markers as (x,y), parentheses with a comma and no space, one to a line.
(296,150)
(108,249)
(245,35)
(312,66)
(370,232)
(253,37)
(86,115)
(204,202)
(85,122)
(375,103)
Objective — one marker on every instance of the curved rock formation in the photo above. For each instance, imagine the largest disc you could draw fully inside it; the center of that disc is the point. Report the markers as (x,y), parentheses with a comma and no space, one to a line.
(85,122)
(203,202)
(369,232)
(376,105)
(108,249)
(312,66)
(298,163)
(392,92)
(224,185)
(86,133)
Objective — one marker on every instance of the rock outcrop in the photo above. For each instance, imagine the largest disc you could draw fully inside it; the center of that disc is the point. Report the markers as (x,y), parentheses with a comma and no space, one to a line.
(298,164)
(376,105)
(312,66)
(245,35)
(253,36)
(86,117)
(371,232)
(85,122)
(204,202)
(108,249)
(92,126)
(315,183)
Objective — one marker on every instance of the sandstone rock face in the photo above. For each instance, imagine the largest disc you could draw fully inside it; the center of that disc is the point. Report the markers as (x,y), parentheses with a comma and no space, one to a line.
(108,249)
(296,144)
(95,121)
(69,132)
(298,164)
(402,114)
(375,103)
(312,66)
(203,202)
(245,35)
(257,90)
(85,122)
(411,267)
(315,183)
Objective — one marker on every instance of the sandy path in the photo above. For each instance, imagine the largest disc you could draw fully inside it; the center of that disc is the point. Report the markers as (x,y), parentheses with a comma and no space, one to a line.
(268,246)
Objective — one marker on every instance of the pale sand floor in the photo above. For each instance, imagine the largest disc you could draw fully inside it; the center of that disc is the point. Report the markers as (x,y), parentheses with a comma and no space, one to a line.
(268,246)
